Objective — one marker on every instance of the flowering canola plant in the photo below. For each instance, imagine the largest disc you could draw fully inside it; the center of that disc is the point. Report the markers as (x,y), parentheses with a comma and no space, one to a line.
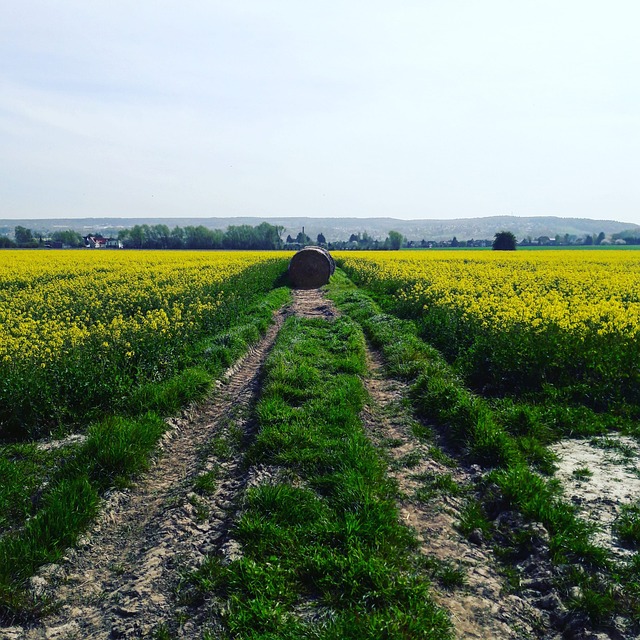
(64,312)
(563,308)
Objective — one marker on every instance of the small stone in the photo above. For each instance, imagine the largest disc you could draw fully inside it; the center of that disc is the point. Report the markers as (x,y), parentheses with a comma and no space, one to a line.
(575,593)
(476,537)
(550,602)
(126,611)
(536,584)
(63,631)
(51,570)
(83,542)
(575,624)
(38,586)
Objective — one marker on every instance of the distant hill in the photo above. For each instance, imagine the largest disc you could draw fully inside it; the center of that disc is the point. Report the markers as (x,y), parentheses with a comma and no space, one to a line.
(336,229)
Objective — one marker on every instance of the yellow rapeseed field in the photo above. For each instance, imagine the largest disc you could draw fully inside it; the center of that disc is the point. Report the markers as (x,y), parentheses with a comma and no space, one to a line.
(524,320)
(80,330)
(51,302)
(577,291)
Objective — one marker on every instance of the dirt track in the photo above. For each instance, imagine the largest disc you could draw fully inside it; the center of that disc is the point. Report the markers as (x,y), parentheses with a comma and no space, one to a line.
(120,581)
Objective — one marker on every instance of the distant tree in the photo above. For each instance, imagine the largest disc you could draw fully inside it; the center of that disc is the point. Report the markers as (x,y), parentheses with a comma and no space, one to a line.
(290,240)
(202,238)
(6,243)
(454,242)
(366,241)
(504,241)
(600,237)
(303,239)
(354,237)
(176,238)
(321,239)
(266,236)
(588,240)
(70,238)
(23,236)
(395,240)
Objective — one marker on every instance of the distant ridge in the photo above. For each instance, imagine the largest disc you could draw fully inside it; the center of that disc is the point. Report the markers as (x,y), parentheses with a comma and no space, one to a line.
(336,229)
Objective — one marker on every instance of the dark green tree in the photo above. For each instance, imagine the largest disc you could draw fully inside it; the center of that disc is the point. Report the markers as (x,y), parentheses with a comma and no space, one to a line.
(321,239)
(303,239)
(23,235)
(504,241)
(395,240)
(70,238)
(176,238)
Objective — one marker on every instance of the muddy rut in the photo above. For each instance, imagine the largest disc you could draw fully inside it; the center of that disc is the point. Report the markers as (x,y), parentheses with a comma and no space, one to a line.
(120,580)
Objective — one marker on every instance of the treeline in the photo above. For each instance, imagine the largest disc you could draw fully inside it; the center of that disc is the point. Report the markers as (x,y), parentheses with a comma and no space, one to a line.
(159,236)
(28,239)
(356,241)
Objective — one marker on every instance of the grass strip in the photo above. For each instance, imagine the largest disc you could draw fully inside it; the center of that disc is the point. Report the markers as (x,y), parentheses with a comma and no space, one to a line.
(485,436)
(437,391)
(54,494)
(323,553)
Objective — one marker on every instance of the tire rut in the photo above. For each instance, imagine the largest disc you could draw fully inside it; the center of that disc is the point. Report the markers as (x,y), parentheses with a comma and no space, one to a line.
(120,580)
(481,608)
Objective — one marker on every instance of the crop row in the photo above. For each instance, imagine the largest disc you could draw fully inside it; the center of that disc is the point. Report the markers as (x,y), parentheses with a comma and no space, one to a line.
(522,322)
(79,332)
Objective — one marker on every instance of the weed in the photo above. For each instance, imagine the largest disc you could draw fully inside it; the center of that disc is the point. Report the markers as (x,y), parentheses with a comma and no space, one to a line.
(436,483)
(220,448)
(440,456)
(472,518)
(408,461)
(392,443)
(119,568)
(627,525)
(625,451)
(205,483)
(449,575)
(582,473)
(162,632)
(118,448)
(422,431)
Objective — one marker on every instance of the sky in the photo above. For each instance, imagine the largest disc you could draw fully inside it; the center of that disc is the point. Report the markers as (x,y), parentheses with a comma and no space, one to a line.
(426,109)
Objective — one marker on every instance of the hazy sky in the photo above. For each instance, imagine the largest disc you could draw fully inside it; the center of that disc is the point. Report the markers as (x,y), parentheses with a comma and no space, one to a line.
(408,109)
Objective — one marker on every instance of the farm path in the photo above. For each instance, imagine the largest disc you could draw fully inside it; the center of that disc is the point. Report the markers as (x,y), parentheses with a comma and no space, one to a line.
(119,581)
(480,609)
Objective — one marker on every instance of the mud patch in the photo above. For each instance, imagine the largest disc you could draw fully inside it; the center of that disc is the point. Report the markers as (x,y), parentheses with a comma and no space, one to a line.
(599,475)
(312,303)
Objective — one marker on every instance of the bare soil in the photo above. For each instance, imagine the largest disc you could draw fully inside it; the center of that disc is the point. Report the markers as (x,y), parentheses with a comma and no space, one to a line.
(120,580)
(599,475)
(482,608)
